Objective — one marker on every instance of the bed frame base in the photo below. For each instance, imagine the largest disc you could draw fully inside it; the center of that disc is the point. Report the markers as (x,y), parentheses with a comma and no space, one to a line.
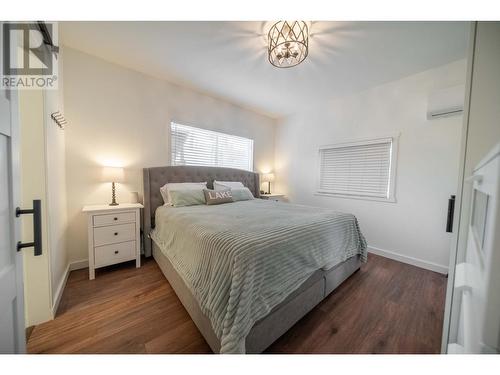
(280,319)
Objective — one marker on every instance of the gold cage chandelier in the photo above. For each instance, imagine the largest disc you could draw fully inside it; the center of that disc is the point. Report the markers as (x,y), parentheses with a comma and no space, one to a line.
(288,43)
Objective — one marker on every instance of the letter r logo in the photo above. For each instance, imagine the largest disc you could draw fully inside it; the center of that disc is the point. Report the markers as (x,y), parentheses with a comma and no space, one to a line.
(36,58)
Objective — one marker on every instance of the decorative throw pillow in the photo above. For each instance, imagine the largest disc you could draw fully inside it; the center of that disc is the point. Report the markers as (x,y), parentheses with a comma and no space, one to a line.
(223,185)
(165,189)
(181,198)
(218,196)
(242,194)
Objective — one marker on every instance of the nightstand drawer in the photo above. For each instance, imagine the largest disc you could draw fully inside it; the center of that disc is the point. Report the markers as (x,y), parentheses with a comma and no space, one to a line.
(111,254)
(118,218)
(113,234)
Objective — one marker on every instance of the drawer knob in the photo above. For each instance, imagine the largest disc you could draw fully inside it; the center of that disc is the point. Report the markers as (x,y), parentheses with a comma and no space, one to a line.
(115,218)
(116,251)
(116,233)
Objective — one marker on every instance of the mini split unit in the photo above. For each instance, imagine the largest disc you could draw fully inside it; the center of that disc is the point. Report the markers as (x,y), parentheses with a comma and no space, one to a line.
(446,102)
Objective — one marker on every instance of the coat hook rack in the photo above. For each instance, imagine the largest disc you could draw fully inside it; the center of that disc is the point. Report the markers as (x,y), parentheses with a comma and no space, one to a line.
(59,119)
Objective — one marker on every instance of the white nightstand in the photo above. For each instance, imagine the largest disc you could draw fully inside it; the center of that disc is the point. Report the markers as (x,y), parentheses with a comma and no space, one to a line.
(114,235)
(273,197)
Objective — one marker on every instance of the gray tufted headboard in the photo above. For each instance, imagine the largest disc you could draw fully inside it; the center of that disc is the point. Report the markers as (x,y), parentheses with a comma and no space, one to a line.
(155,178)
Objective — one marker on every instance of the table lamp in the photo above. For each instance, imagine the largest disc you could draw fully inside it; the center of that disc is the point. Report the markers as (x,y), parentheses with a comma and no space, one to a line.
(268,177)
(112,174)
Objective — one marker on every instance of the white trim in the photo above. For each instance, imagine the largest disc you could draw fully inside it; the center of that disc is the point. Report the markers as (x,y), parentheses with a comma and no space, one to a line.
(78,264)
(359,142)
(409,260)
(363,198)
(72,266)
(60,290)
(450,325)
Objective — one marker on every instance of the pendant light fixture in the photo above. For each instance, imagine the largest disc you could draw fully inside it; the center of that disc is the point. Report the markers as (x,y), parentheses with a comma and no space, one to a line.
(288,43)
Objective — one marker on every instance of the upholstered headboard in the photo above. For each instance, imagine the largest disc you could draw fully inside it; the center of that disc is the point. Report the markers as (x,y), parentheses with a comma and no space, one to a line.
(155,178)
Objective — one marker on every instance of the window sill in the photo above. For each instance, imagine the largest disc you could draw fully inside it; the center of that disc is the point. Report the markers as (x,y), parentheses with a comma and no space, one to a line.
(376,199)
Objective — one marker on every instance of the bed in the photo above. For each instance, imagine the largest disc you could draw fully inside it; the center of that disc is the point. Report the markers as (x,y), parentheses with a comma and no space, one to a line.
(246,271)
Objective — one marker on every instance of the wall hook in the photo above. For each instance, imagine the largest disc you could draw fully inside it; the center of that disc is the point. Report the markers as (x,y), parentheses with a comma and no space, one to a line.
(59,119)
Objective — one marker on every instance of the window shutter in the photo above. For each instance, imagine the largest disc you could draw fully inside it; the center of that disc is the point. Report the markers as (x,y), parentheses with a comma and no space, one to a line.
(195,146)
(357,169)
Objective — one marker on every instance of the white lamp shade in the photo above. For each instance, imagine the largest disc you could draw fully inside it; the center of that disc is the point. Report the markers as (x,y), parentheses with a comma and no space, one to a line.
(267,177)
(112,174)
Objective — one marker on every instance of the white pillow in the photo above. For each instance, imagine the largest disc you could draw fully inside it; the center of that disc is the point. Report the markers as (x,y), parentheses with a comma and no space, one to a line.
(223,185)
(242,194)
(164,190)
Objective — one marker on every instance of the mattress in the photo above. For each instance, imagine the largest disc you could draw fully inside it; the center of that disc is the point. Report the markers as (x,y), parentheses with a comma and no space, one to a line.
(242,259)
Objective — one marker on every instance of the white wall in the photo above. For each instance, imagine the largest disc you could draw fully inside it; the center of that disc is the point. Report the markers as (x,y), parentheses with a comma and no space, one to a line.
(122,117)
(413,228)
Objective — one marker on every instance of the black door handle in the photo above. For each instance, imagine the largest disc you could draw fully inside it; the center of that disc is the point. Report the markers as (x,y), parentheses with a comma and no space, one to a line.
(451,212)
(37,227)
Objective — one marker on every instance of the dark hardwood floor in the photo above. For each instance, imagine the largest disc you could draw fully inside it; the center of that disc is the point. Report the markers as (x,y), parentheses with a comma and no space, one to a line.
(385,307)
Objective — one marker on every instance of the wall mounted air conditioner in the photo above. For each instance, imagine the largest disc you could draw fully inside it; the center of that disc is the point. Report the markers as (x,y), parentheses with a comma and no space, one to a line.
(446,102)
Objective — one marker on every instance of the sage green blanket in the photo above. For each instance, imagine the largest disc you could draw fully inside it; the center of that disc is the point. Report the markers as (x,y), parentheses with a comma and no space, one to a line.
(241,259)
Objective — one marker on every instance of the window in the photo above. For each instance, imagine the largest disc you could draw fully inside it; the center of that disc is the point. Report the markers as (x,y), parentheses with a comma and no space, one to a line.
(359,169)
(195,146)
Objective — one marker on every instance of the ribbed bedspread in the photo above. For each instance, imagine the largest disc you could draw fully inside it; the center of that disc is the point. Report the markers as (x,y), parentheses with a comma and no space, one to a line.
(241,259)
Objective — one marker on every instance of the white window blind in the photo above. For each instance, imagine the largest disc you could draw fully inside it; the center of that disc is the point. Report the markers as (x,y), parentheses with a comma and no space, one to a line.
(195,146)
(358,169)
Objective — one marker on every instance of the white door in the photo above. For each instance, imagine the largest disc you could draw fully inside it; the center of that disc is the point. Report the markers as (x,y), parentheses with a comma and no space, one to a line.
(471,321)
(475,318)
(12,336)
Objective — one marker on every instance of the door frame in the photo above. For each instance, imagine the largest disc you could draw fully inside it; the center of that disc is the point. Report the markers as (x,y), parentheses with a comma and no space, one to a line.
(15,223)
(16,202)
(456,234)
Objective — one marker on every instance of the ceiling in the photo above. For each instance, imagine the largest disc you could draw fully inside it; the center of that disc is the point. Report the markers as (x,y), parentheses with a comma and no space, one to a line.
(229,59)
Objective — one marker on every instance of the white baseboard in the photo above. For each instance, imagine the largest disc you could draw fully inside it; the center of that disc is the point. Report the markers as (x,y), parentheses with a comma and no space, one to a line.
(59,291)
(79,264)
(409,260)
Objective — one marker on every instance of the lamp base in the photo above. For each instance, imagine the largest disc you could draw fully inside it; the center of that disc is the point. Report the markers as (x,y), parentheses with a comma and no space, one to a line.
(113,195)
